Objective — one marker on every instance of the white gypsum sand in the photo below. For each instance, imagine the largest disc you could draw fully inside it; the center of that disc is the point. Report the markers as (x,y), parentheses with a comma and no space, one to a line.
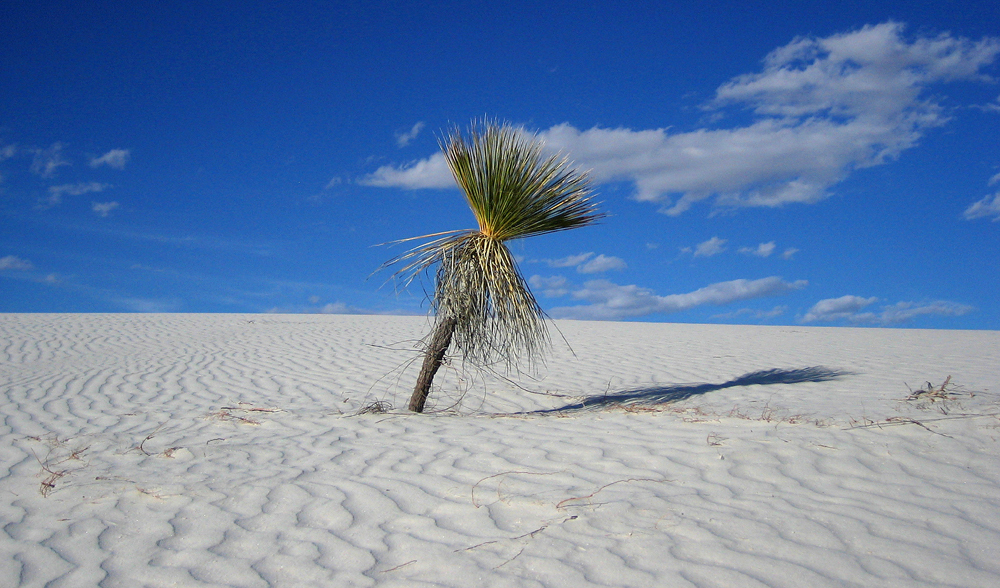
(227,450)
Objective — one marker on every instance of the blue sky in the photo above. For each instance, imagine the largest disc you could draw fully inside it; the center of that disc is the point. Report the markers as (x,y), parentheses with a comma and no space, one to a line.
(789,163)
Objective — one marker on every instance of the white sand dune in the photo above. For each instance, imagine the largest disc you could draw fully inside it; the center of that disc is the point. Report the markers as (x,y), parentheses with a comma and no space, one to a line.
(227,450)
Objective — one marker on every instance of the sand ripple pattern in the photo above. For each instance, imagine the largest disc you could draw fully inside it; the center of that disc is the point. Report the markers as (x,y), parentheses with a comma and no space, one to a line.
(227,450)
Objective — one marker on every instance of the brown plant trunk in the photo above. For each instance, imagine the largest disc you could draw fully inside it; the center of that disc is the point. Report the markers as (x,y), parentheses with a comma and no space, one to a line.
(433,357)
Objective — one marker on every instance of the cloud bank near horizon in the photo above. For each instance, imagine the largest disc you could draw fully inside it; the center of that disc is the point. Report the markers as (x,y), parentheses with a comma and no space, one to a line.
(852,309)
(823,107)
(610,301)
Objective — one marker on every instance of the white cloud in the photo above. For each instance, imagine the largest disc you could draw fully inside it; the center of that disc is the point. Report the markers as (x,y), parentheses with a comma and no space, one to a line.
(8,151)
(404,139)
(12,262)
(991,106)
(78,188)
(713,246)
(609,301)
(832,309)
(601,263)
(789,253)
(57,192)
(46,161)
(116,158)
(551,287)
(762,250)
(905,311)
(824,107)
(570,261)
(586,263)
(848,307)
(103,208)
(432,172)
(988,206)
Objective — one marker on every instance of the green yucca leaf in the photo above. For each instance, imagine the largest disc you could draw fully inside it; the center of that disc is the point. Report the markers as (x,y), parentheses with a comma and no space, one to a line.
(514,192)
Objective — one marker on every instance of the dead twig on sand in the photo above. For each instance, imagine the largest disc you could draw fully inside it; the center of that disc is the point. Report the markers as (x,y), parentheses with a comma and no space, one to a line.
(894,421)
(226,413)
(476,485)
(595,492)
(934,393)
(399,566)
(529,535)
(48,484)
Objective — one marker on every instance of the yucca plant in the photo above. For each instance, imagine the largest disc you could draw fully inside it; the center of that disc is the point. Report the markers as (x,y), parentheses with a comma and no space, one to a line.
(481,301)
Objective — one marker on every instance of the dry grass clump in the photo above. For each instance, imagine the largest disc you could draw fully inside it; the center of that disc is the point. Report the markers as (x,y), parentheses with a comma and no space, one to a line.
(932,393)
(376,407)
(54,466)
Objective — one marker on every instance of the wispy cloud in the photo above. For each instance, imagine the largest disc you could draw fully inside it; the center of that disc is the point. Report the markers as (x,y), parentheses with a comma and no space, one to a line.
(789,253)
(988,206)
(432,172)
(57,192)
(823,107)
(586,263)
(609,301)
(46,162)
(551,287)
(832,309)
(848,308)
(601,263)
(12,262)
(570,261)
(990,107)
(762,250)
(116,159)
(404,139)
(752,313)
(149,305)
(713,246)
(103,209)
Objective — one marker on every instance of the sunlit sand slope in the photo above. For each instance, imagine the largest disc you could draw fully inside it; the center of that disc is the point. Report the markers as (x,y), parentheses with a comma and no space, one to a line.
(228,450)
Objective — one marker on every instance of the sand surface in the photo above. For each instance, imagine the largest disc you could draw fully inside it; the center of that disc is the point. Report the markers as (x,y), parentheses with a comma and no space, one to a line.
(228,450)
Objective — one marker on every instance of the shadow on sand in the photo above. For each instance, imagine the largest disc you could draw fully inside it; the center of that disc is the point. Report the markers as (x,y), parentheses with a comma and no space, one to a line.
(663,394)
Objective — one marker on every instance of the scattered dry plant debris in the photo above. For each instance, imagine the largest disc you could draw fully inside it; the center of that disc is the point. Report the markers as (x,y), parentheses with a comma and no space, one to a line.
(50,465)
(527,536)
(499,497)
(377,407)
(399,566)
(932,393)
(595,492)
(226,413)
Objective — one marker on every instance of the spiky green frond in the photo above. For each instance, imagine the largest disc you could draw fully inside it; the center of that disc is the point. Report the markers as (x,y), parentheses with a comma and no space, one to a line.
(512,189)
(514,192)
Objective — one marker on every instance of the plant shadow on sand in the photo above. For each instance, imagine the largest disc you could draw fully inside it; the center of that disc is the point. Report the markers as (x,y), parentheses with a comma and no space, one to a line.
(672,393)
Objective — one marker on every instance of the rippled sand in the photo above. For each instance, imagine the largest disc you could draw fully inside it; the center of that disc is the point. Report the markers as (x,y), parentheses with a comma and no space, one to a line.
(227,450)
